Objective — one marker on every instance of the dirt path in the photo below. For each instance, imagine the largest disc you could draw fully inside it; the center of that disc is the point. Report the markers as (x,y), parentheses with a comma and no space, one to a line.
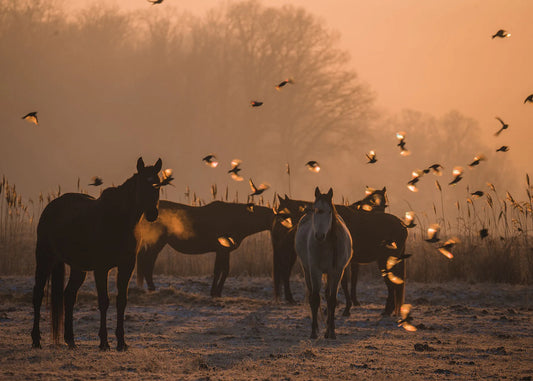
(465,332)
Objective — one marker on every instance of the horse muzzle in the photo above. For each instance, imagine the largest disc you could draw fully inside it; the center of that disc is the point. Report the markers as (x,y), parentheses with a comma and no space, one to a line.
(151,215)
(320,236)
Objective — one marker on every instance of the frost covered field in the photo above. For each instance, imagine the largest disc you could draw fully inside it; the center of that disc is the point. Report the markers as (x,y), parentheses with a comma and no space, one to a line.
(465,331)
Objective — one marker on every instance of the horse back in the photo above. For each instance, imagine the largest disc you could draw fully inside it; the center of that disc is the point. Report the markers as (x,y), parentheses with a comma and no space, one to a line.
(84,232)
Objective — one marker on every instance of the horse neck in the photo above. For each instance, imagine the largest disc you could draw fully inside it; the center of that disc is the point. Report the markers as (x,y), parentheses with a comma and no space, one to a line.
(121,201)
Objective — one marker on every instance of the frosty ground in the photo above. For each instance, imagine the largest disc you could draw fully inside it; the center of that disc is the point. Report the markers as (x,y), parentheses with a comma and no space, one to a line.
(465,331)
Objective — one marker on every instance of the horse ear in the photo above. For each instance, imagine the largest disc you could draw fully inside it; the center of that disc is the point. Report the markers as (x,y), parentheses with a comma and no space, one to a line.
(317,192)
(158,165)
(140,164)
(286,197)
(280,199)
(384,189)
(330,193)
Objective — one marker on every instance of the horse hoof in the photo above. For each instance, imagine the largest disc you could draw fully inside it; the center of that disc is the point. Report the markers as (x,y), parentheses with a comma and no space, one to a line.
(386,313)
(314,336)
(36,345)
(346,313)
(291,302)
(331,336)
(104,347)
(122,348)
(72,345)
(355,303)
(151,288)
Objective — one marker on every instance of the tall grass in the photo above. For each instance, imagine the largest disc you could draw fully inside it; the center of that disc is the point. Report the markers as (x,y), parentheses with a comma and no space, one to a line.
(506,255)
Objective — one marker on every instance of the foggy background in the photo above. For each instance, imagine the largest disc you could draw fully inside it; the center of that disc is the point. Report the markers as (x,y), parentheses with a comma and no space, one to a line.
(112,81)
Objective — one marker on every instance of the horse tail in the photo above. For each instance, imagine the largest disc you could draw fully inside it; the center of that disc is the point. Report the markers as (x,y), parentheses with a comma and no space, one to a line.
(58,283)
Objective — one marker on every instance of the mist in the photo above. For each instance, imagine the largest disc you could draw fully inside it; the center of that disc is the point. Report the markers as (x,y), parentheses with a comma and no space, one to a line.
(111,85)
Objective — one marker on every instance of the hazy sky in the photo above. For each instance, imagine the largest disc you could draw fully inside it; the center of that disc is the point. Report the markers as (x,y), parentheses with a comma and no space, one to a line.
(431,56)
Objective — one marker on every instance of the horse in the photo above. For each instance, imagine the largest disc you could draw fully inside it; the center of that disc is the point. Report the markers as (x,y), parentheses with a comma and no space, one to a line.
(324,246)
(96,235)
(282,235)
(372,232)
(216,227)
(375,201)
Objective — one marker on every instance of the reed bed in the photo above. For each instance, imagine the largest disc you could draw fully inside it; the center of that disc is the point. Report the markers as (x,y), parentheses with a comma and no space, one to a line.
(505,255)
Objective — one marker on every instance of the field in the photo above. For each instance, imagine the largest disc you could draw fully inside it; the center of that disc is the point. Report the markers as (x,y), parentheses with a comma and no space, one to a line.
(465,331)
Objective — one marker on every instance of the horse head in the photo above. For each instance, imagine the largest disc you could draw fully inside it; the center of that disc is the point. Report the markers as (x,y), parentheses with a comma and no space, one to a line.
(147,188)
(323,214)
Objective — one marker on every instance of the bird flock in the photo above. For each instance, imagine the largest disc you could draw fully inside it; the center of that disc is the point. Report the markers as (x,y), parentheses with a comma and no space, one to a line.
(433,232)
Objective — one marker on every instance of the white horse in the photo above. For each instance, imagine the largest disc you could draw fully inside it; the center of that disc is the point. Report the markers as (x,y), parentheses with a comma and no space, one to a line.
(324,246)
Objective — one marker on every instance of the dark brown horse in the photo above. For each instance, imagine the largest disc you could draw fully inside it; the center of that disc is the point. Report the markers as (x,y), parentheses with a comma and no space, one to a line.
(371,233)
(217,227)
(91,235)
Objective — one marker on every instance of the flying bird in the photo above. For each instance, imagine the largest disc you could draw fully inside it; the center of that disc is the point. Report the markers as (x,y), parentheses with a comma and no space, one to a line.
(401,137)
(433,233)
(503,149)
(371,156)
(436,169)
(477,159)
(529,99)
(392,262)
(313,166)
(166,177)
(283,83)
(448,245)
(457,175)
(96,181)
(154,2)
(235,169)
(405,321)
(255,103)
(31,117)
(504,126)
(411,184)
(258,190)
(409,220)
(501,34)
(226,241)
(210,160)
(477,194)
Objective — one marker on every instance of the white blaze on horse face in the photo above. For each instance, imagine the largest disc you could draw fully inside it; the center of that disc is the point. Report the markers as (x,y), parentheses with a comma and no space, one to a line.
(322,218)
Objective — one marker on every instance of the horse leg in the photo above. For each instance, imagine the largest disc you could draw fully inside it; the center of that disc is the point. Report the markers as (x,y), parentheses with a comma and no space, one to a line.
(399,289)
(123,279)
(315,282)
(331,295)
(42,273)
(354,272)
(389,305)
(71,291)
(100,277)
(346,292)
(276,271)
(287,277)
(220,273)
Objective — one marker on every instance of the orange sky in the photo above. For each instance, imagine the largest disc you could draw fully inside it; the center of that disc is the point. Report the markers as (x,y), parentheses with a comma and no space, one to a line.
(431,56)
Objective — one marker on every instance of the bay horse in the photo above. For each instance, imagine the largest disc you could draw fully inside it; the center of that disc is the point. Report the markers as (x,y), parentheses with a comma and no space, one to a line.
(371,230)
(96,235)
(197,230)
(324,246)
